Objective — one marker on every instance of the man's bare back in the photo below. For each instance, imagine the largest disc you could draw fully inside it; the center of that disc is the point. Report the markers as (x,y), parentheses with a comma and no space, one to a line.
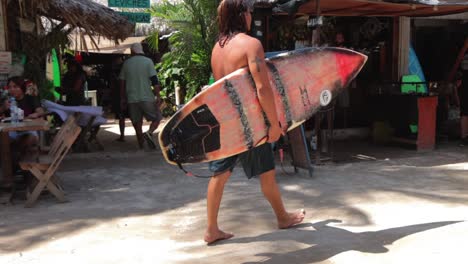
(240,51)
(232,56)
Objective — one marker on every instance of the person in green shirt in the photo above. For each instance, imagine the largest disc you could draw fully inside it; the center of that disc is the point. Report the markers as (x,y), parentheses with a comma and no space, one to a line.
(137,76)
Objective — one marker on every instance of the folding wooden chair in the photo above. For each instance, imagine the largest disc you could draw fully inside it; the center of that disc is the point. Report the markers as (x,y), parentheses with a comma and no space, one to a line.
(45,166)
(59,136)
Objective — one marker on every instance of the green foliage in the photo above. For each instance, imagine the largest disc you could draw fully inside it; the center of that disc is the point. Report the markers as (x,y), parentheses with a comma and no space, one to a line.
(193,27)
(153,41)
(46,90)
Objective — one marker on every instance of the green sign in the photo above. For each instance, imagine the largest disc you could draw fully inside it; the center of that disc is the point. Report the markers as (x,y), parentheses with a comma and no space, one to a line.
(129,3)
(137,17)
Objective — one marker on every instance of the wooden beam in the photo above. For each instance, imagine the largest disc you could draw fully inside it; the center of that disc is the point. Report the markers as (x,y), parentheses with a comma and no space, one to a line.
(444,13)
(344,9)
(383,13)
(368,8)
(395,47)
(404,46)
(405,13)
(458,61)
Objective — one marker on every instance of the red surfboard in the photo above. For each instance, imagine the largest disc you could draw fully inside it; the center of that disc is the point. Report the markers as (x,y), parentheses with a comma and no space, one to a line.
(226,119)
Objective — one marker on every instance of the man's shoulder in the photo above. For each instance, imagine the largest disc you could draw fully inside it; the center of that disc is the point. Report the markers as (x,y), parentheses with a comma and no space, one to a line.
(140,59)
(244,38)
(135,60)
(125,63)
(148,60)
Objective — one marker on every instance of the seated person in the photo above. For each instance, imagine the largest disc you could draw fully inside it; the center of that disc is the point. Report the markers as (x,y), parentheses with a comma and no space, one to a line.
(4,106)
(26,141)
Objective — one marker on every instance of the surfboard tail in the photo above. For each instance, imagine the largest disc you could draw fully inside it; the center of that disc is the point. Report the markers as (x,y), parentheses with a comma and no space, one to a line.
(226,119)
(350,64)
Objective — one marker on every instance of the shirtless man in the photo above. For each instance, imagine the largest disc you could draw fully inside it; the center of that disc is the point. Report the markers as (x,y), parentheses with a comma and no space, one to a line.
(235,49)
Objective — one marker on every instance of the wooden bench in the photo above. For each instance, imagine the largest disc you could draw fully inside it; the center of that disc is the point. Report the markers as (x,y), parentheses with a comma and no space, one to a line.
(44,167)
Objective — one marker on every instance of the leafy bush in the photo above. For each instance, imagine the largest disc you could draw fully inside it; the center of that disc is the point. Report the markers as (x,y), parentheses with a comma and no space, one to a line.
(187,65)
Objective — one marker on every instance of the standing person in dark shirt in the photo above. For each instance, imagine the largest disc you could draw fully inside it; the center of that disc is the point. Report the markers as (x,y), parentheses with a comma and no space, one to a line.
(120,112)
(73,84)
(340,40)
(461,96)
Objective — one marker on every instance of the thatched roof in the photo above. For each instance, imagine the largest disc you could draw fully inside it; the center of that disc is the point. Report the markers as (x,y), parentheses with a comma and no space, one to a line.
(104,45)
(93,17)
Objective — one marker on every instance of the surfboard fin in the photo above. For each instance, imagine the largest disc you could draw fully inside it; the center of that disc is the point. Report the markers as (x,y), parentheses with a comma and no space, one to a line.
(190,174)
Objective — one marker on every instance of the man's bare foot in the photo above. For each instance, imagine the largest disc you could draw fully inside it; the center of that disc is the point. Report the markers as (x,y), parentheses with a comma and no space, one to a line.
(294,219)
(211,237)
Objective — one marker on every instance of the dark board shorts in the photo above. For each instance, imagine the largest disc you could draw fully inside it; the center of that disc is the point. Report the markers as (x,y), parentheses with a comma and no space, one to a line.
(255,161)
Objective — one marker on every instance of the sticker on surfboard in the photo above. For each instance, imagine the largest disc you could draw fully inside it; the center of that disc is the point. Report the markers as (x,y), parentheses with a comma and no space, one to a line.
(325,97)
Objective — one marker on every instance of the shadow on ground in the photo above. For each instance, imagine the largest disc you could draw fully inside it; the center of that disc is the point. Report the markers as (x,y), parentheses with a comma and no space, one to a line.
(327,241)
(123,182)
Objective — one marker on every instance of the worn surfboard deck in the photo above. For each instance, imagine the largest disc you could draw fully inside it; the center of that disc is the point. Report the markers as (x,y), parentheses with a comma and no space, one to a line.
(226,119)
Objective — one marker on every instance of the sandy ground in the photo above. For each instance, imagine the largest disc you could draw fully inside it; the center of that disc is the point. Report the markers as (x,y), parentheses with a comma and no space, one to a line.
(129,206)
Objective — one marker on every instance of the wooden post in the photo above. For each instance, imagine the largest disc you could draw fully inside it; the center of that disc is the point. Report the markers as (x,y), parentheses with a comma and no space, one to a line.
(395,49)
(404,46)
(400,46)
(267,32)
(3,26)
(458,61)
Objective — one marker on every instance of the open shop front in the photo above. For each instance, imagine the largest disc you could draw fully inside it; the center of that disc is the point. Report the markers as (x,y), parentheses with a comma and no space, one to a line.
(442,44)
(102,66)
(393,101)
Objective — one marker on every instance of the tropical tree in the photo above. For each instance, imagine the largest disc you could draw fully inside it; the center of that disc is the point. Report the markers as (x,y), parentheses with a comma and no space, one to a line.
(193,30)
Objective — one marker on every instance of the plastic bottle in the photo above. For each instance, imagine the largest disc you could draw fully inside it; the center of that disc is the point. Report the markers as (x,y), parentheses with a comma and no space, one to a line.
(20,114)
(313,141)
(13,110)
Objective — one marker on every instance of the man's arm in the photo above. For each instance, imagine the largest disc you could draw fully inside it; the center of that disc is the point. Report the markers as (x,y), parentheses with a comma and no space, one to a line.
(258,69)
(38,112)
(36,105)
(156,87)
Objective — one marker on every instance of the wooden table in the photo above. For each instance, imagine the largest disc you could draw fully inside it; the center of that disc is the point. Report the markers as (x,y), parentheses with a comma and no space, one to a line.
(5,151)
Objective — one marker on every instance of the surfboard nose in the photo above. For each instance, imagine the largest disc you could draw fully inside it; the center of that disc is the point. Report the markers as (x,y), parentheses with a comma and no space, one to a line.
(349,64)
